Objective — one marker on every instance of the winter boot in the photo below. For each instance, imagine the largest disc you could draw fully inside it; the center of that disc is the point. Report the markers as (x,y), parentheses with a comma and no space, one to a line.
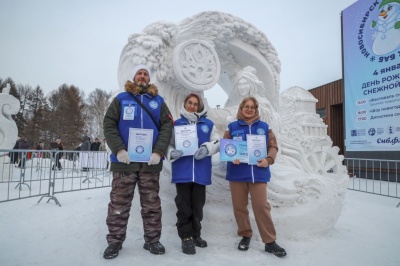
(188,246)
(275,249)
(199,242)
(112,251)
(155,248)
(244,243)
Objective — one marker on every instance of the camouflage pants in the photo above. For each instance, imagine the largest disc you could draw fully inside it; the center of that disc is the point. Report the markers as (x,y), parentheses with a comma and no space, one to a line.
(123,187)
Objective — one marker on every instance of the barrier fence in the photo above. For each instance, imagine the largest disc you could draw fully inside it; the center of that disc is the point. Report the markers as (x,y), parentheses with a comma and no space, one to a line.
(374,176)
(32,173)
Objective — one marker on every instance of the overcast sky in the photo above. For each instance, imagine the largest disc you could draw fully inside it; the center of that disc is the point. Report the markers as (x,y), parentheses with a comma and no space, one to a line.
(51,42)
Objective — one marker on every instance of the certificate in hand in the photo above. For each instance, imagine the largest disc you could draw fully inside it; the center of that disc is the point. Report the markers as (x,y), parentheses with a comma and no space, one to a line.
(140,144)
(256,147)
(230,149)
(186,139)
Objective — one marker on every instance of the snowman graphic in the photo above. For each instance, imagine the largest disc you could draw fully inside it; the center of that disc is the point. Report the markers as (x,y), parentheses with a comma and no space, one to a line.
(387,28)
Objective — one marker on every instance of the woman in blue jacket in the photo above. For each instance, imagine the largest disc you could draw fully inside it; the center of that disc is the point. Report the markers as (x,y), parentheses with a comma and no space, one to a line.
(192,173)
(245,179)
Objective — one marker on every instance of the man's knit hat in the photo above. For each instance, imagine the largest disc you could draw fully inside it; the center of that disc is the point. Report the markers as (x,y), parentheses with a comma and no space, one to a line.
(139,67)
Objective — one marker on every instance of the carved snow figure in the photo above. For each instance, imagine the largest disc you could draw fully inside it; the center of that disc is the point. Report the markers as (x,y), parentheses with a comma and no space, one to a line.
(387,34)
(8,129)
(308,179)
(246,83)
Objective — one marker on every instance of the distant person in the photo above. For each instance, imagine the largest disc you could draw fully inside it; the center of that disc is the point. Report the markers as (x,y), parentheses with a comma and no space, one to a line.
(139,107)
(14,154)
(84,155)
(103,145)
(245,179)
(95,146)
(39,147)
(22,156)
(192,173)
(58,147)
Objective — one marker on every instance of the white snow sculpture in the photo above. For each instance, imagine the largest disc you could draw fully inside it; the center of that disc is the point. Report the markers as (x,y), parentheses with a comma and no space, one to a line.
(8,129)
(308,179)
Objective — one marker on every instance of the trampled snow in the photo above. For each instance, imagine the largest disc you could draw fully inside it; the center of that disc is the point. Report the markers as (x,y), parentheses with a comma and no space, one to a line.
(367,233)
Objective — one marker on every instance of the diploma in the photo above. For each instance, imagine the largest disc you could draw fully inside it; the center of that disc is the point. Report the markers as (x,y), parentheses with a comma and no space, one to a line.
(230,149)
(256,148)
(140,144)
(186,139)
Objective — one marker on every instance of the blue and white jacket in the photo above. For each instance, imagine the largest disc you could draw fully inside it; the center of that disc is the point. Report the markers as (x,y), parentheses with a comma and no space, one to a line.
(140,118)
(187,169)
(244,172)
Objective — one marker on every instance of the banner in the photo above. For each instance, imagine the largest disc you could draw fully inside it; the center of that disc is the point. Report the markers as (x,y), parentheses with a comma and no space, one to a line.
(371,54)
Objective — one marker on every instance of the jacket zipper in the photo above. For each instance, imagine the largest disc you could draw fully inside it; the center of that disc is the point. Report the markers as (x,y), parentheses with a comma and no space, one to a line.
(141,111)
(252,169)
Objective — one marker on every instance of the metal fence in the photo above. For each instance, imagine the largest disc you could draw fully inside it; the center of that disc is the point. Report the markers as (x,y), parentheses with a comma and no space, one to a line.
(32,173)
(374,176)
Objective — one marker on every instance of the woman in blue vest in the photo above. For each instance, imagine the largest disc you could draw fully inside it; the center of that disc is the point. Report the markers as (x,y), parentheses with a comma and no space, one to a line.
(191,174)
(245,179)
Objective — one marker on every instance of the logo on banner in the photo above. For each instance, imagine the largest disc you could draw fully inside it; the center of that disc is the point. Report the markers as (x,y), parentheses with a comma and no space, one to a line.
(371,131)
(379,31)
(390,130)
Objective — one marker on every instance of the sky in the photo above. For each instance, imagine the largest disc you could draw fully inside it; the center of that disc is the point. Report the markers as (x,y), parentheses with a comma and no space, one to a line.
(366,233)
(49,43)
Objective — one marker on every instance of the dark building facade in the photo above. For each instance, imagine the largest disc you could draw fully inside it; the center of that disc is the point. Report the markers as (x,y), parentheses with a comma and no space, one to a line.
(330,107)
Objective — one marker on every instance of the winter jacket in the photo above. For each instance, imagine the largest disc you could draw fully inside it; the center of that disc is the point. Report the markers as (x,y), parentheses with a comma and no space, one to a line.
(23,144)
(95,146)
(187,168)
(116,129)
(85,143)
(244,172)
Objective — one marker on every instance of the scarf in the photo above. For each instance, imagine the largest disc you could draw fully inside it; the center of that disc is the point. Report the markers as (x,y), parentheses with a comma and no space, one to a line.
(249,120)
(192,117)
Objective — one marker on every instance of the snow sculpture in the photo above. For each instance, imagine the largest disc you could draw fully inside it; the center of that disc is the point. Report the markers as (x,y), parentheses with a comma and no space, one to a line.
(309,180)
(8,129)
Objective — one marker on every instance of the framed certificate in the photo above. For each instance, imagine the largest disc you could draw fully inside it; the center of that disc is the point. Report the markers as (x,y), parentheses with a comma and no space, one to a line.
(186,139)
(230,149)
(256,148)
(140,144)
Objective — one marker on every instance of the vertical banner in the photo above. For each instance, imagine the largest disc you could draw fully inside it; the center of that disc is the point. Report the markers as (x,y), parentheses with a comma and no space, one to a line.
(371,58)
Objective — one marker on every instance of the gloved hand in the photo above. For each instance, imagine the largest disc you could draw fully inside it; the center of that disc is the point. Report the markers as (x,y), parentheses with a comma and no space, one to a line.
(154,159)
(176,154)
(201,153)
(123,157)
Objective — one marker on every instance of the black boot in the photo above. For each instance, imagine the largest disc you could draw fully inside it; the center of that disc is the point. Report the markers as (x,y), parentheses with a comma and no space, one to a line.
(275,249)
(155,248)
(199,242)
(244,243)
(188,246)
(112,251)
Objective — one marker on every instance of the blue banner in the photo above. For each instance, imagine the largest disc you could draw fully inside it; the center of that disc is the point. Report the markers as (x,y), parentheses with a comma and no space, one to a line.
(371,52)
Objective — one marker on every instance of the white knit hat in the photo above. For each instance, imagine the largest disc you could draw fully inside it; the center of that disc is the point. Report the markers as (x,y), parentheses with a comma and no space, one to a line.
(136,68)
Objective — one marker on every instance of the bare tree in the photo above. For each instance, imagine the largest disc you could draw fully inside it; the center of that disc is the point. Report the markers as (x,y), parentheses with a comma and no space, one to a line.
(97,104)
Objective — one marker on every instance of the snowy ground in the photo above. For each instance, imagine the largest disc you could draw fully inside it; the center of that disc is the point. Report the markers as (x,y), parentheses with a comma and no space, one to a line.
(367,233)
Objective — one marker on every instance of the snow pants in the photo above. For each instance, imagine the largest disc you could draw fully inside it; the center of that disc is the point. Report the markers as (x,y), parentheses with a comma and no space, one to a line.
(190,199)
(123,187)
